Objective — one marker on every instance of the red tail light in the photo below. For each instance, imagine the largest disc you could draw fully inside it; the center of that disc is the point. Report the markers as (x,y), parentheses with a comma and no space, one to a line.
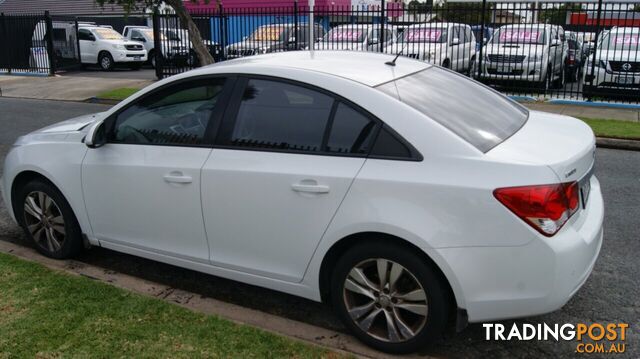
(545,207)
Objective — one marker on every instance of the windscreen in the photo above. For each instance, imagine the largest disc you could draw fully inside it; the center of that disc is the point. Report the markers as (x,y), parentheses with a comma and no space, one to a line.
(345,34)
(622,41)
(423,35)
(107,34)
(519,35)
(268,33)
(479,115)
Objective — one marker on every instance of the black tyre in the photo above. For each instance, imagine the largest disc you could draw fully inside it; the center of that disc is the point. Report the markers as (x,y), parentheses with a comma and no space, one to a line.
(105,60)
(152,58)
(389,297)
(559,82)
(48,220)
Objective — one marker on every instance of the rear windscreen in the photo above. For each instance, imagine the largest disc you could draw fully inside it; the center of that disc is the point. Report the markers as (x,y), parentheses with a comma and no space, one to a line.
(473,111)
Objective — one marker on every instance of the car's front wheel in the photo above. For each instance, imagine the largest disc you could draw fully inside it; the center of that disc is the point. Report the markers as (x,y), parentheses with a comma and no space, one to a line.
(48,220)
(389,297)
(105,60)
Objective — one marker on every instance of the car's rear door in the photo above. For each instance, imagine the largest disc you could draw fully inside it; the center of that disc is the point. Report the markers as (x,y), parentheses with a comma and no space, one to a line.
(142,188)
(284,160)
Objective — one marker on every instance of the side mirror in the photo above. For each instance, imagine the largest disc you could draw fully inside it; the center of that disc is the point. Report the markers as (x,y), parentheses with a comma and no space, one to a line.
(484,40)
(292,40)
(374,41)
(455,41)
(244,38)
(96,136)
(555,42)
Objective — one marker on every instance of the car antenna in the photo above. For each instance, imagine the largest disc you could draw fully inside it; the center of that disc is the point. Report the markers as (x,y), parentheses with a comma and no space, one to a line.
(393,62)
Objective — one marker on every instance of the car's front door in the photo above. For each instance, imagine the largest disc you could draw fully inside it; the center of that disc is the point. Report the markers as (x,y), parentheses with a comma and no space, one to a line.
(142,188)
(283,162)
(88,46)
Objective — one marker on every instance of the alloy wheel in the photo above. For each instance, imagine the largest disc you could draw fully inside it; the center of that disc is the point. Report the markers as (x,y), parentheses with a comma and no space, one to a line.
(385,300)
(44,221)
(105,62)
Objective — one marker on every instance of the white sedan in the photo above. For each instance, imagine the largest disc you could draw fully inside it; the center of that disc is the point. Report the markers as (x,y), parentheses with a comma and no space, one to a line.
(404,194)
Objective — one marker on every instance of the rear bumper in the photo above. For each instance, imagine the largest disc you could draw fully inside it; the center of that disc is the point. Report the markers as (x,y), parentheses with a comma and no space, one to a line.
(537,278)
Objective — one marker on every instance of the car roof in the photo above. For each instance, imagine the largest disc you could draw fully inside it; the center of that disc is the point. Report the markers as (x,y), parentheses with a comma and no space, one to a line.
(363,67)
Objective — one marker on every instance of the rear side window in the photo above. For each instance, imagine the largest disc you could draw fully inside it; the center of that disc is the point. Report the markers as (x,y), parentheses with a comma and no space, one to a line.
(479,115)
(351,131)
(278,115)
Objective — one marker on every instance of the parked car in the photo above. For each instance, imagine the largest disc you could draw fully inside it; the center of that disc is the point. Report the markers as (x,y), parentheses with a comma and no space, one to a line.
(575,60)
(617,64)
(64,40)
(534,53)
(450,45)
(331,177)
(274,38)
(107,48)
(357,37)
(144,35)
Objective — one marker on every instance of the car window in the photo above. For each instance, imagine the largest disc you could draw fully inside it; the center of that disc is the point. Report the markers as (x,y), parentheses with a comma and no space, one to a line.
(176,115)
(350,132)
(486,119)
(136,34)
(281,116)
(456,34)
(84,34)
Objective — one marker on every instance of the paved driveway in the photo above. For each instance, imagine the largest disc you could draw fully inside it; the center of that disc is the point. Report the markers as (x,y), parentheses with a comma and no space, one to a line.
(610,295)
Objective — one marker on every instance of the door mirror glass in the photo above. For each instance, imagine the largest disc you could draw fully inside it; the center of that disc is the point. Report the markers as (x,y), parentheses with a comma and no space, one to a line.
(455,41)
(555,42)
(374,41)
(96,136)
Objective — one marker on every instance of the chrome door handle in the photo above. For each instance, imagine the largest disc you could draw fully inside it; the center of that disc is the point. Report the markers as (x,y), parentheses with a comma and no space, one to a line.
(177,177)
(310,188)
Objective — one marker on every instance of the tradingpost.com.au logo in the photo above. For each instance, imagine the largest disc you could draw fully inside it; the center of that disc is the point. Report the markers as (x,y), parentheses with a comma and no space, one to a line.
(590,338)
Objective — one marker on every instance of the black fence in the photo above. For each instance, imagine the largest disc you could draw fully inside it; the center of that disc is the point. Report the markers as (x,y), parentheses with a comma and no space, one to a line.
(567,50)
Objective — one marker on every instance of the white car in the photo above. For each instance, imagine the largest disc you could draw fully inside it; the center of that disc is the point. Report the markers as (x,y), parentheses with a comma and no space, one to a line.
(107,48)
(349,179)
(534,53)
(357,37)
(617,65)
(450,45)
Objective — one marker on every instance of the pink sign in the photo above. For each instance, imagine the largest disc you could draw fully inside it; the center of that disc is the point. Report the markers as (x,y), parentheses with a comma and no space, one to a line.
(631,39)
(345,35)
(521,36)
(423,35)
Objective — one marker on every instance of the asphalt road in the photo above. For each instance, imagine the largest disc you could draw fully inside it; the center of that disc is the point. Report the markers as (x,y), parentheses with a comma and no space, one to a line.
(612,293)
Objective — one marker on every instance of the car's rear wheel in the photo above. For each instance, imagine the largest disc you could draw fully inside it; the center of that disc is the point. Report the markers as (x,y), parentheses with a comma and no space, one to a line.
(389,297)
(48,220)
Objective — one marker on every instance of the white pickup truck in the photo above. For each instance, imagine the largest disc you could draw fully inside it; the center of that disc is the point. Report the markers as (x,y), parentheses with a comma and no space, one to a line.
(107,48)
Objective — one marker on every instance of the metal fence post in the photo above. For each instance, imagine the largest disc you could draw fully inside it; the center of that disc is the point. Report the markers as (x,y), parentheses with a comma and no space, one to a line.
(157,44)
(5,38)
(295,22)
(222,24)
(593,58)
(50,50)
(312,39)
(482,21)
(382,21)
(78,43)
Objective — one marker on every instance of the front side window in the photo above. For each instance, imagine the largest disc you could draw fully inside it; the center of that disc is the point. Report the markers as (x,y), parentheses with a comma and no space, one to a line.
(484,118)
(176,115)
(84,34)
(281,116)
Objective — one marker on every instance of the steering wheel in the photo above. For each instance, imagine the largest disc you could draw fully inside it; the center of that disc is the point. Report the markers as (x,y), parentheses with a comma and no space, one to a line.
(139,137)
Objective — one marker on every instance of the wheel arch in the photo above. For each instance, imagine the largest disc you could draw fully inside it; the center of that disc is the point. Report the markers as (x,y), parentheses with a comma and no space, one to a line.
(333,255)
(21,179)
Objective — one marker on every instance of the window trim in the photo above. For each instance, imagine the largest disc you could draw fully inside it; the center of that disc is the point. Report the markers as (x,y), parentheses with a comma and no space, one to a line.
(228,123)
(209,134)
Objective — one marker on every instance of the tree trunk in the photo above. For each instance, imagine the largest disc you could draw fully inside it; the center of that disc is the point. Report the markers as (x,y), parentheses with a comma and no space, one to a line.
(194,34)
